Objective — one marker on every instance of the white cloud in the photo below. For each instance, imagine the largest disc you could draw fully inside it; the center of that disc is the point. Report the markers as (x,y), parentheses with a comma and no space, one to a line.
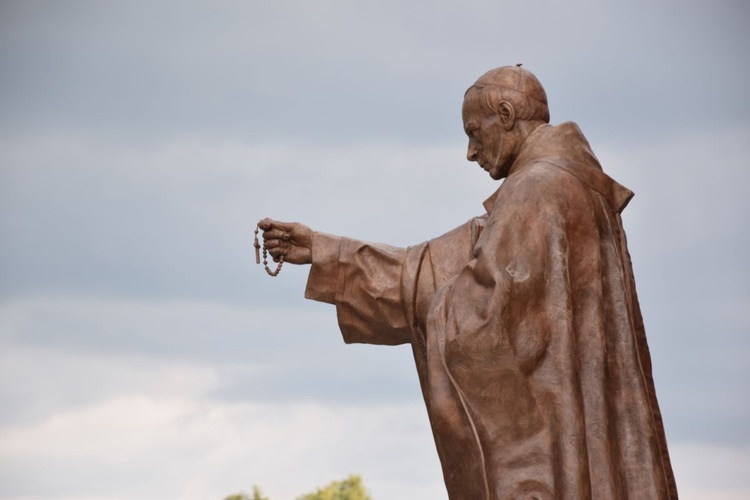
(207,449)
(202,448)
(108,422)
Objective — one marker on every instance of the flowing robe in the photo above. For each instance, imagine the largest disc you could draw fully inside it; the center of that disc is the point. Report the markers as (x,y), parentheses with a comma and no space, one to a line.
(526,332)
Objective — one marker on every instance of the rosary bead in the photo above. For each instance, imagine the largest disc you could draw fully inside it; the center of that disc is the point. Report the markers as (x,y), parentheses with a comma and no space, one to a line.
(256,244)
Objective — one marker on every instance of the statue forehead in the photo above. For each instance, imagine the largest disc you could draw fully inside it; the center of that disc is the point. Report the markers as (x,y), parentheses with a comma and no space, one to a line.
(472,105)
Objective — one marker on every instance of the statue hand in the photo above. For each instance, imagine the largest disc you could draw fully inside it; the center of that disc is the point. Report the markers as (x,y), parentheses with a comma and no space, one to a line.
(290,239)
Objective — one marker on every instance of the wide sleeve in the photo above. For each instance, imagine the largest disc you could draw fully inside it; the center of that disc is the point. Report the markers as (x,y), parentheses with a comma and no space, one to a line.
(381,292)
(363,280)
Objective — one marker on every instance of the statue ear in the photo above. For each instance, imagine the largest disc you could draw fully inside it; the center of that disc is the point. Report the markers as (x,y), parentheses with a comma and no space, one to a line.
(507,114)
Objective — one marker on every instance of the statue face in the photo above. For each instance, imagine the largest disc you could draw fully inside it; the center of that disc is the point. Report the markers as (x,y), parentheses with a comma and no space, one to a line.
(491,138)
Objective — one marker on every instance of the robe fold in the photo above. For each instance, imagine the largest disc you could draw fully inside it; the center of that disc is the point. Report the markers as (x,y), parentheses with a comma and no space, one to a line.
(526,332)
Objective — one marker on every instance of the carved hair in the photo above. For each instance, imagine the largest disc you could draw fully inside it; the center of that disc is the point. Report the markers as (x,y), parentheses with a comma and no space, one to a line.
(517,86)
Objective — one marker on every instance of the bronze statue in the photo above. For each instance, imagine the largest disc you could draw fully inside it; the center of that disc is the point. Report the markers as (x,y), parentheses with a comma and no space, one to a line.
(524,322)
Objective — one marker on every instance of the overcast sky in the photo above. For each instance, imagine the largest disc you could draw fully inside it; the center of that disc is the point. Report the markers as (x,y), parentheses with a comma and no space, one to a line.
(144,355)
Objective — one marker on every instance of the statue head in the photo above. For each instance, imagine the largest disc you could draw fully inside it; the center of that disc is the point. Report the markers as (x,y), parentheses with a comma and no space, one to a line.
(515,85)
(500,110)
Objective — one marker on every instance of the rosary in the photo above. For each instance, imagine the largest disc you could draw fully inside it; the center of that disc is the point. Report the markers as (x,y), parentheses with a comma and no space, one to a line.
(256,244)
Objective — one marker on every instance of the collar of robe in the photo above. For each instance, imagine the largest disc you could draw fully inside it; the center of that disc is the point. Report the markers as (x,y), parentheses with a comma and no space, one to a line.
(564,146)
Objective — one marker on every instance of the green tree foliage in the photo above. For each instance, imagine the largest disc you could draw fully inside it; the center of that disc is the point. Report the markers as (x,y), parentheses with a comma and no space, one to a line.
(350,488)
(257,495)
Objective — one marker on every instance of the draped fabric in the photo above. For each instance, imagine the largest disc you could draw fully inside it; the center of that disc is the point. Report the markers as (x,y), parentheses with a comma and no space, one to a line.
(526,332)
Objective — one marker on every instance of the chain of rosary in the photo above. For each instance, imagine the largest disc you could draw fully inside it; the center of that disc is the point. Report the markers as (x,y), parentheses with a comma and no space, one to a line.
(256,244)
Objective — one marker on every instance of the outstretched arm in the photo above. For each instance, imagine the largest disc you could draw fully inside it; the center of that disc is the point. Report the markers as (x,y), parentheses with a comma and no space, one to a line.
(379,290)
(362,279)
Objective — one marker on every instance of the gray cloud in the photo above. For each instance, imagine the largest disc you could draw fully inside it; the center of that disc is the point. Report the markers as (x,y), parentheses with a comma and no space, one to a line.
(264,69)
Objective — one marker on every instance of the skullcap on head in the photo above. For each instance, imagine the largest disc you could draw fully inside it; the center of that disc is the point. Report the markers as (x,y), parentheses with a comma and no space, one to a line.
(513,78)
